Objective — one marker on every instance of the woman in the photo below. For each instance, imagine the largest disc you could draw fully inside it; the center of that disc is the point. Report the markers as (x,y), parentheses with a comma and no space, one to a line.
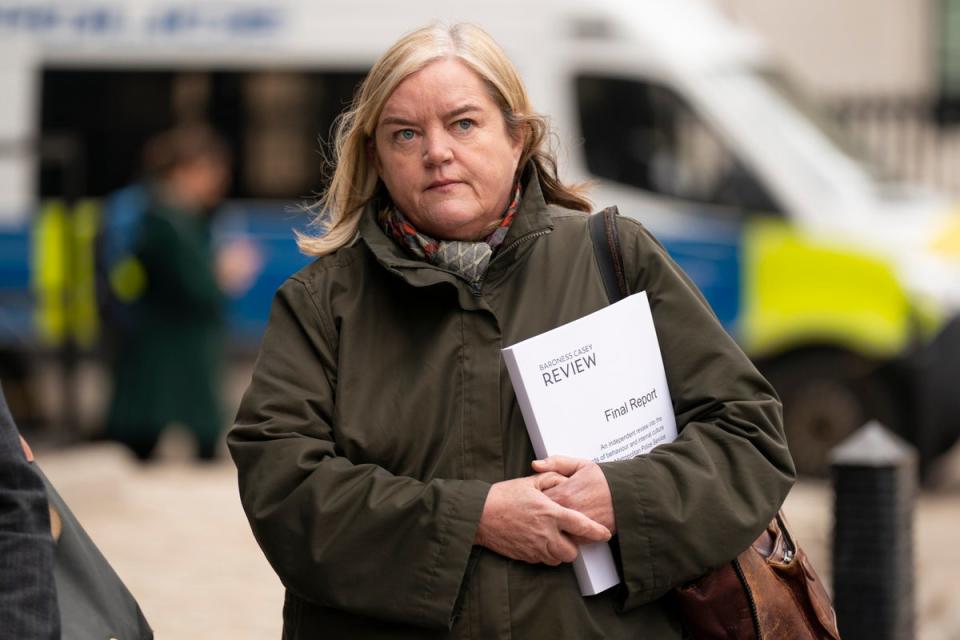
(166,360)
(384,464)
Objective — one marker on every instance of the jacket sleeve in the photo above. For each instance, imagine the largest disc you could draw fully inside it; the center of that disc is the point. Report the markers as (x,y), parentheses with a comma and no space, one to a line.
(696,503)
(28,595)
(348,536)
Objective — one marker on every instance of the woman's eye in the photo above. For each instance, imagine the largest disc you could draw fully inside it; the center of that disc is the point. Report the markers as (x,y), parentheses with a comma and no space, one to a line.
(465,124)
(405,134)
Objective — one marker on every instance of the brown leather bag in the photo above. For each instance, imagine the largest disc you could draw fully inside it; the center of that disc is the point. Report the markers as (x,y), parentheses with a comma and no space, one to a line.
(769,591)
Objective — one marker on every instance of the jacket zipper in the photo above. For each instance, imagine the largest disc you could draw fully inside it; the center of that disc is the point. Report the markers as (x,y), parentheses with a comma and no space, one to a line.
(476,288)
(753,603)
(519,241)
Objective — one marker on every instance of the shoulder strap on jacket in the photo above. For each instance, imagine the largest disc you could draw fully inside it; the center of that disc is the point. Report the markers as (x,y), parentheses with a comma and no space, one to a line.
(606,247)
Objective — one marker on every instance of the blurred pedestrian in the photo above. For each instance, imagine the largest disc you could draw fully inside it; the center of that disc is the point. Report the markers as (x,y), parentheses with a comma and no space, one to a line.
(28,595)
(166,364)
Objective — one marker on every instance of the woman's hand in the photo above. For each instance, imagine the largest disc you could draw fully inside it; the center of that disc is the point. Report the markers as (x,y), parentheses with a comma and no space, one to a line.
(238,263)
(584,488)
(520,522)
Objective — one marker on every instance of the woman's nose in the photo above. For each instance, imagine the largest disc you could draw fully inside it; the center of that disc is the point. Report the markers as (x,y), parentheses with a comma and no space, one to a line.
(436,150)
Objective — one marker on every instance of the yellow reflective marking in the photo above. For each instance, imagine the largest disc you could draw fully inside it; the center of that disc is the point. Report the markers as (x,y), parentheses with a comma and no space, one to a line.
(800,291)
(85,321)
(48,272)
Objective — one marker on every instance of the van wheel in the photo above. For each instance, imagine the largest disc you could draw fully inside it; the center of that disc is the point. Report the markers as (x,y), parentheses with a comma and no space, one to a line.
(827,395)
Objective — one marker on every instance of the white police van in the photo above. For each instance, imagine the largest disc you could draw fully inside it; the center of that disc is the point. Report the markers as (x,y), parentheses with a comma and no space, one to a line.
(842,285)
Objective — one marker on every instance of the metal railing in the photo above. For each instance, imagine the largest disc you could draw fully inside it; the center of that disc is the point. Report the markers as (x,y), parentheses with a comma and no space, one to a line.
(907,136)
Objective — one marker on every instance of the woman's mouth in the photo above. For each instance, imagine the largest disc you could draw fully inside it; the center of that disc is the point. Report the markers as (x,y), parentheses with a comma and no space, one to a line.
(442,185)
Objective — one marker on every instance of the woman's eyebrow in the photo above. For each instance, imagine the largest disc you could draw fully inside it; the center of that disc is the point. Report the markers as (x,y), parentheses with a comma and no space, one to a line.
(453,113)
(459,111)
(397,120)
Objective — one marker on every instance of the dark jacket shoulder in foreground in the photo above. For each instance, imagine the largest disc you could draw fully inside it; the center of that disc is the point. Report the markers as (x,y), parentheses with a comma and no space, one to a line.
(28,595)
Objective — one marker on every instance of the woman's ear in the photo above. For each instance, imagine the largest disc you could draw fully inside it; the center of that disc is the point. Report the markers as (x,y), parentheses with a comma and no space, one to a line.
(519,141)
(518,149)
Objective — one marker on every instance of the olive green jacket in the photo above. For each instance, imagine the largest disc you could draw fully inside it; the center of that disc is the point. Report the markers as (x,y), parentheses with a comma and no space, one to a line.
(380,412)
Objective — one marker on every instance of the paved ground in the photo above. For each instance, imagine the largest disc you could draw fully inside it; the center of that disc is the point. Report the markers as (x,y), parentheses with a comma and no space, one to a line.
(176,534)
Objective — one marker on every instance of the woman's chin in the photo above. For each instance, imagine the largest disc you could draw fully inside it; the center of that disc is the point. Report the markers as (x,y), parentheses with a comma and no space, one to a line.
(459,225)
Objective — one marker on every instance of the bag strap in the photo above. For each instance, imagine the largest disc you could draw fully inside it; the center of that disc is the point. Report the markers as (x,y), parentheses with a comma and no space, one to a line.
(606,247)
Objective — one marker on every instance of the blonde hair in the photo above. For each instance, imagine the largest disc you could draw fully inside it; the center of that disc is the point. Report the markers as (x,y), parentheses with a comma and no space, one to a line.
(354,181)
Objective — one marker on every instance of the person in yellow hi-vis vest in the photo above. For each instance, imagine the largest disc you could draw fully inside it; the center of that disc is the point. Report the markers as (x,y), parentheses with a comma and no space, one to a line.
(166,366)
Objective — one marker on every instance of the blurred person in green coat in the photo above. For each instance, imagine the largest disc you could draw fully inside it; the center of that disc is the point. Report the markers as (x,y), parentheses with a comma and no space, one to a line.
(166,363)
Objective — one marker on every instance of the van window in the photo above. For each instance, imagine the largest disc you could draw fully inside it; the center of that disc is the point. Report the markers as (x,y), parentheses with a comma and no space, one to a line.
(644,135)
(94,123)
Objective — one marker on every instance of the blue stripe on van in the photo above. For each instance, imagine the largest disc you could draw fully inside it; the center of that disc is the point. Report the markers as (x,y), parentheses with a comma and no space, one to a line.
(16,299)
(714,265)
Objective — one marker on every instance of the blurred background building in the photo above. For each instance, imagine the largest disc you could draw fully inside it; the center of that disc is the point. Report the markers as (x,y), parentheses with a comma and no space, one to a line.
(890,71)
(856,48)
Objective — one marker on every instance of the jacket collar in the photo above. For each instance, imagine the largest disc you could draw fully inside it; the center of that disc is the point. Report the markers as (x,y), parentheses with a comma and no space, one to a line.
(532,217)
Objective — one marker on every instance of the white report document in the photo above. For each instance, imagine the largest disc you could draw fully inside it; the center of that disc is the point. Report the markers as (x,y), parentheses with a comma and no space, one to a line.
(595,388)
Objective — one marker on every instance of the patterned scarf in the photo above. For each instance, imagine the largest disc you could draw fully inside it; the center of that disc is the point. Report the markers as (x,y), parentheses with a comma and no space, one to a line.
(467,259)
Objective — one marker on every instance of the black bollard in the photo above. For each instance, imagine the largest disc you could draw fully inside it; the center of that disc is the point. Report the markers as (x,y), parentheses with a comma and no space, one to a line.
(874,479)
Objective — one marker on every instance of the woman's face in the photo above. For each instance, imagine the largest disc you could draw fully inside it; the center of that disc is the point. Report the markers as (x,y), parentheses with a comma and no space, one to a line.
(443,152)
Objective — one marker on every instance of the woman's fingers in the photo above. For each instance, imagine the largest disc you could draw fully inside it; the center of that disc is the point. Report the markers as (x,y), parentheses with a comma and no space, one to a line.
(579,525)
(564,465)
(548,480)
(585,491)
(559,550)
(522,523)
